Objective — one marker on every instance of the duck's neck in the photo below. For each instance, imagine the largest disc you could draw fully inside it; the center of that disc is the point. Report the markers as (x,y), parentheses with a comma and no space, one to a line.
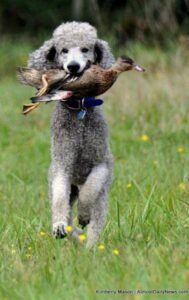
(120,68)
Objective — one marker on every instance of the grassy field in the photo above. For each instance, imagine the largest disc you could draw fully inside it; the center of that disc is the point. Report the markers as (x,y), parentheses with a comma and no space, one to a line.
(148,220)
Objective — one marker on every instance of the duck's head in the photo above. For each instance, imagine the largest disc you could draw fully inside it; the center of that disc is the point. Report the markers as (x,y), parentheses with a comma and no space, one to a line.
(125,63)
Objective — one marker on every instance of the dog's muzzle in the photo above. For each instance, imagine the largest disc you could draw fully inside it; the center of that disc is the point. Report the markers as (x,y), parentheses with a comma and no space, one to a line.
(73,67)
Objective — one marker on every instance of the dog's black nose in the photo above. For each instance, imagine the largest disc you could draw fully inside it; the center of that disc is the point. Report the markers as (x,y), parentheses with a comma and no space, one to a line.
(73,67)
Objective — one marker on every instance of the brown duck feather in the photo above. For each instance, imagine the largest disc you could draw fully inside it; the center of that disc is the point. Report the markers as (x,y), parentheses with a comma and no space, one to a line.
(33,77)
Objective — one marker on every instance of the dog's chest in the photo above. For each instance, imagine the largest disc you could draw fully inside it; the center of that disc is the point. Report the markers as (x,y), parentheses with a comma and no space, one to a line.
(83,143)
(90,140)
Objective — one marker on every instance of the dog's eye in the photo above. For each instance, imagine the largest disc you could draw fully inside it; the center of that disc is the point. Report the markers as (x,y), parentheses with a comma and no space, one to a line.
(64,50)
(84,50)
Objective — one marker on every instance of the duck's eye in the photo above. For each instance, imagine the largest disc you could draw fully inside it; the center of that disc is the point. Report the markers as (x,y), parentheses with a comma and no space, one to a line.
(84,50)
(64,50)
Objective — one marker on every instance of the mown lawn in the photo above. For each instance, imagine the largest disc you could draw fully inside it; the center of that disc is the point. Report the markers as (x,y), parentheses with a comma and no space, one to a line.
(148,220)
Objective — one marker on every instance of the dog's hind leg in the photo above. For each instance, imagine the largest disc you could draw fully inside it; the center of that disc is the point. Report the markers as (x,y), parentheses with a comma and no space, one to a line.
(97,219)
(92,203)
(90,191)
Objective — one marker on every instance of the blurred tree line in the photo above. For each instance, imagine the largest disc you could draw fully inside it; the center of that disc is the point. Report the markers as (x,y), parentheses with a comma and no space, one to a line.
(145,20)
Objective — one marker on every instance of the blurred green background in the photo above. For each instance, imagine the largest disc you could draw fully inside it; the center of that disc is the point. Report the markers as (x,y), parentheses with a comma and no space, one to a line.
(138,19)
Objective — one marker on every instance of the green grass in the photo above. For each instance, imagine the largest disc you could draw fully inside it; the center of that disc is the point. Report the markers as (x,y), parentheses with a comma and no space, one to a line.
(148,220)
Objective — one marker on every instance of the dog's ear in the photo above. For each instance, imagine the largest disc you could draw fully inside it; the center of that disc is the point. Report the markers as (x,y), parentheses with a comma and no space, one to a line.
(103,55)
(98,53)
(51,54)
(43,57)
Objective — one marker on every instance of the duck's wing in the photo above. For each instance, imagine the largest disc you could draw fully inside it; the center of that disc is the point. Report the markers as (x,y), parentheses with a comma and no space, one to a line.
(56,96)
(55,75)
(29,76)
(61,83)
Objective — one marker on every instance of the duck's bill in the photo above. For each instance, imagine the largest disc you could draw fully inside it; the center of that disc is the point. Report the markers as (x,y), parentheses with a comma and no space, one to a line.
(139,68)
(58,96)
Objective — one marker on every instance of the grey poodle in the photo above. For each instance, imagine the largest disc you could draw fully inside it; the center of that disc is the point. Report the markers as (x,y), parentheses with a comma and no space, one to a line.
(82,163)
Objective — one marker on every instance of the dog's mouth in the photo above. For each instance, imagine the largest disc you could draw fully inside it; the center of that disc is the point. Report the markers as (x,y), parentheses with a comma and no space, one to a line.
(78,73)
(72,73)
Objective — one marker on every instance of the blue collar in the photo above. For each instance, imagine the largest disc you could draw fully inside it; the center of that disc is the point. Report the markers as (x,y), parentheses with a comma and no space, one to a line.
(81,105)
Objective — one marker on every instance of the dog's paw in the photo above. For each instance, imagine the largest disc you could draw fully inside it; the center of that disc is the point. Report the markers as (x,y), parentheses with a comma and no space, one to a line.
(59,230)
(83,221)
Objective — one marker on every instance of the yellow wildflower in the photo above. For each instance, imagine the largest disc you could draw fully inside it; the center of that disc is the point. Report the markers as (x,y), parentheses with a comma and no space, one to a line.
(69,228)
(82,237)
(101,247)
(144,138)
(180,149)
(129,185)
(42,233)
(182,186)
(116,252)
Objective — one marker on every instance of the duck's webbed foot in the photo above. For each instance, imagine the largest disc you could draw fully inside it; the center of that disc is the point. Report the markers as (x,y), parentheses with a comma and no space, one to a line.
(27,108)
(44,86)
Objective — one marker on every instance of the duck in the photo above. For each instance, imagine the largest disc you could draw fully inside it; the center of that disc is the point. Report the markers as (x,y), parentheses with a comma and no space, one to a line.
(93,81)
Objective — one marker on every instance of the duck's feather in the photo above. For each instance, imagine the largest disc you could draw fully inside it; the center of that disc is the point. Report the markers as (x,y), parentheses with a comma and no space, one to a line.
(33,77)
(29,76)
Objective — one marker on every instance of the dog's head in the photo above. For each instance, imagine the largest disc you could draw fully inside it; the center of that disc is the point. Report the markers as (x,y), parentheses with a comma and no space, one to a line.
(73,59)
(75,46)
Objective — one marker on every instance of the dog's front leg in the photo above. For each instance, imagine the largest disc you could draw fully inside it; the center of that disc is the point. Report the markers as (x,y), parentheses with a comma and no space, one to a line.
(61,209)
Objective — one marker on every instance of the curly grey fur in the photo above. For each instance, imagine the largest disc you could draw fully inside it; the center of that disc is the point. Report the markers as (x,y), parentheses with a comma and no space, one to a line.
(80,152)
